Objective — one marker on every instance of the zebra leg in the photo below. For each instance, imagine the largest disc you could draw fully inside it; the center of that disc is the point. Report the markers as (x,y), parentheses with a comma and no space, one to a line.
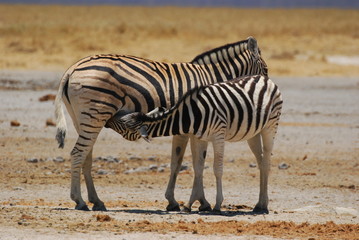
(218,148)
(179,144)
(77,159)
(264,168)
(199,151)
(79,153)
(255,145)
(91,191)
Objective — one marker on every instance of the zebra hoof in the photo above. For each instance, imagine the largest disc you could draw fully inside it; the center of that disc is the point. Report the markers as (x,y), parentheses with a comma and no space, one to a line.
(206,208)
(173,208)
(217,211)
(100,207)
(259,210)
(186,209)
(82,207)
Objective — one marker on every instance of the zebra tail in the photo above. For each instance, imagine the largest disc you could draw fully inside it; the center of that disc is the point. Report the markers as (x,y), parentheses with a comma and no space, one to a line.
(59,114)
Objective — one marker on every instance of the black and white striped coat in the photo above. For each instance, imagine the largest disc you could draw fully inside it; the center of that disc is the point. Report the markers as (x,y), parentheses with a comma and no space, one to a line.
(97,87)
(241,109)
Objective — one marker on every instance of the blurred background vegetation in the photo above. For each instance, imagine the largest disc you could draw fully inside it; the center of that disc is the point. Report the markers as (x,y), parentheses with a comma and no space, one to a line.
(294,42)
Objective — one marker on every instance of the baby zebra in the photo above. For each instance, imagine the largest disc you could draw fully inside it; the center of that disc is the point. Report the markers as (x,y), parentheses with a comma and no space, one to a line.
(246,108)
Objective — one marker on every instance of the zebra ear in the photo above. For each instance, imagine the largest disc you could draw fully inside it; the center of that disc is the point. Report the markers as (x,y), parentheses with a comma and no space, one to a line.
(253,46)
(144,133)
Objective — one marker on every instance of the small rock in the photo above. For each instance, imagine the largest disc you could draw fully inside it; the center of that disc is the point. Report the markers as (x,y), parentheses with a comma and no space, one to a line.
(129,171)
(184,167)
(153,167)
(137,170)
(103,218)
(132,158)
(59,159)
(32,160)
(15,123)
(102,172)
(110,159)
(231,160)
(50,123)
(47,97)
(164,165)
(18,188)
(152,158)
(283,166)
(24,223)
(252,165)
(161,169)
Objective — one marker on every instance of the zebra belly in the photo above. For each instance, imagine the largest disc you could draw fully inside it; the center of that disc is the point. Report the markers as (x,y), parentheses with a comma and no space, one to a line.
(243,134)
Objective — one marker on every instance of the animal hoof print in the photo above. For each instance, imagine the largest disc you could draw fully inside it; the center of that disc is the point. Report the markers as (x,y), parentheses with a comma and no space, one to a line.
(258,210)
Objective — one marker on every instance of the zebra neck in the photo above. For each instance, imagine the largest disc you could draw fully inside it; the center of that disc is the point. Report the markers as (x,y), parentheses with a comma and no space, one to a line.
(226,70)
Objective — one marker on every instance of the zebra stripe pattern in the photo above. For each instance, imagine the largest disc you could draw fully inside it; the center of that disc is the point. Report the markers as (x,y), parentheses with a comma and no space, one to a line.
(97,87)
(242,109)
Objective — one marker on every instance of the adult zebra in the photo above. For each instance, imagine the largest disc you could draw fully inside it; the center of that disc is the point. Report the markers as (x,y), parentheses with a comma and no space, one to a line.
(246,108)
(97,87)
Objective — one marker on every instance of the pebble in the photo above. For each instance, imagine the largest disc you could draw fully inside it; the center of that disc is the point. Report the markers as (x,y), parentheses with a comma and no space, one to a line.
(164,165)
(15,123)
(161,169)
(132,158)
(47,97)
(150,168)
(184,168)
(18,188)
(153,167)
(252,165)
(24,223)
(102,172)
(50,122)
(109,159)
(32,160)
(152,158)
(58,159)
(137,170)
(283,166)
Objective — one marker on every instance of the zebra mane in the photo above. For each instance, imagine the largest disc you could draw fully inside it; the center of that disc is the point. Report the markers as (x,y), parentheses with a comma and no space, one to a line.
(250,44)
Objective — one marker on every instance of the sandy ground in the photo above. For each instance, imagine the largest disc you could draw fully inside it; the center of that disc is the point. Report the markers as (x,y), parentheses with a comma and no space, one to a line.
(317,197)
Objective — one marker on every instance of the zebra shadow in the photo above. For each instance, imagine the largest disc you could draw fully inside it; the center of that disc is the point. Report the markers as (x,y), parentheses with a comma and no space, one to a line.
(226,213)
(200,213)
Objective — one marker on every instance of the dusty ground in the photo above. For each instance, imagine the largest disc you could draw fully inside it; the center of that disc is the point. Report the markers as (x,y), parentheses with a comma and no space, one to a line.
(316,197)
